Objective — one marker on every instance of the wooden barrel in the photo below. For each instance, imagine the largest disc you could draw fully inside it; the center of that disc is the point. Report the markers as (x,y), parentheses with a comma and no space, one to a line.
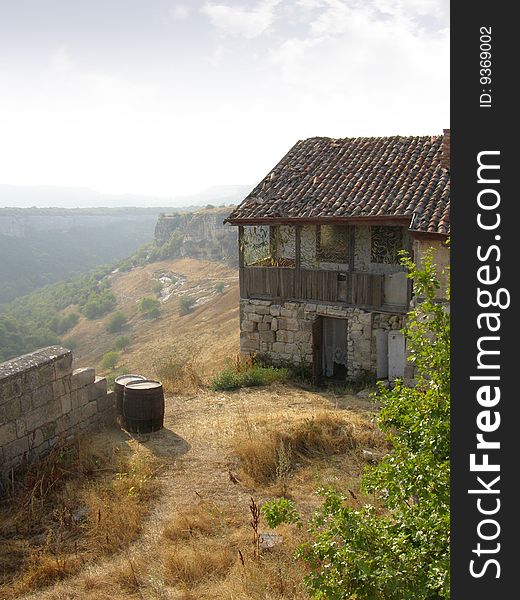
(119,388)
(143,406)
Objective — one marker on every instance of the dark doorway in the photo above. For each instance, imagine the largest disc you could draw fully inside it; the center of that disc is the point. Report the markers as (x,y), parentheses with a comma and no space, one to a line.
(329,338)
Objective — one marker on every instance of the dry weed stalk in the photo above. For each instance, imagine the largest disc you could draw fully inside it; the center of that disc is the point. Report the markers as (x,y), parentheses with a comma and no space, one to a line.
(255,520)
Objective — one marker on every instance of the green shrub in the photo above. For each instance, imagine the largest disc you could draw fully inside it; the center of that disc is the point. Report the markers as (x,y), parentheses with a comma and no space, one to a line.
(157,287)
(109,360)
(220,286)
(122,342)
(186,304)
(232,378)
(149,307)
(281,510)
(116,322)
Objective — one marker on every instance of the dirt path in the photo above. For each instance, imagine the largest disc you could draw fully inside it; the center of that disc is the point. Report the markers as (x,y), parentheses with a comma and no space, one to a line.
(195,447)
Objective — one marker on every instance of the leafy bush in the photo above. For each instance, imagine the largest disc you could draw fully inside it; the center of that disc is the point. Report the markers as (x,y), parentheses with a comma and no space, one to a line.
(186,304)
(109,360)
(60,324)
(232,378)
(281,510)
(116,322)
(122,342)
(220,286)
(149,307)
(157,287)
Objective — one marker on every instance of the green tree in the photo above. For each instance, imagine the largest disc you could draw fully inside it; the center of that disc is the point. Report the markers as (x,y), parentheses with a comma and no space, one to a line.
(109,360)
(116,322)
(186,303)
(122,342)
(401,552)
(149,307)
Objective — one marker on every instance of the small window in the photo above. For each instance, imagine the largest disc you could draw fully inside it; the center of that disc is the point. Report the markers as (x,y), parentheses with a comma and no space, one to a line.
(333,243)
(386,243)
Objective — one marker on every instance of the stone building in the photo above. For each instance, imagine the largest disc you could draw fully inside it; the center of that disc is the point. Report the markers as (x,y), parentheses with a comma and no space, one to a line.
(319,241)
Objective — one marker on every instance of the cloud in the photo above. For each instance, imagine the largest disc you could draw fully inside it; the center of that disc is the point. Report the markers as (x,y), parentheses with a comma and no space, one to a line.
(238,22)
(180,12)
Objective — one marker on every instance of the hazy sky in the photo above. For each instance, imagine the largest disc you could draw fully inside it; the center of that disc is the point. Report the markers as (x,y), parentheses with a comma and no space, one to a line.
(163,97)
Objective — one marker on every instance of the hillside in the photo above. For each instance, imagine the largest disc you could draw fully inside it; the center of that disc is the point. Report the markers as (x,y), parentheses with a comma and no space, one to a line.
(154,341)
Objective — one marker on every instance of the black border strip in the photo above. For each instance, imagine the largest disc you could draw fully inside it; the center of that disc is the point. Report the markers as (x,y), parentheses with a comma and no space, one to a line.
(479,126)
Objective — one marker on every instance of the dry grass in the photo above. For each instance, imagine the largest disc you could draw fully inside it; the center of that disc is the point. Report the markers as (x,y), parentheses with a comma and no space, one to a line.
(266,453)
(181,371)
(193,564)
(76,505)
(199,519)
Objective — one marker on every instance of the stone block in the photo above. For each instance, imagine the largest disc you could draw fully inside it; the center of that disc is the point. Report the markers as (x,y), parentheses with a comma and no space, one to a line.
(37,438)
(15,450)
(288,312)
(255,317)
(97,389)
(302,336)
(31,380)
(306,325)
(249,308)
(43,395)
(8,433)
(248,326)
(82,377)
(292,325)
(261,302)
(11,389)
(279,347)
(268,336)
(106,403)
(63,365)
(66,403)
(284,336)
(11,410)
(336,311)
(274,324)
(262,310)
(268,319)
(249,345)
(291,305)
(88,411)
(274,310)
(61,386)
(44,414)
(264,327)
(46,374)
(79,398)
(310,307)
(21,428)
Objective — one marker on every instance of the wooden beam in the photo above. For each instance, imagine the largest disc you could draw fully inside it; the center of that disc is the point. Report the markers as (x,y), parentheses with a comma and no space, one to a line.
(297,247)
(352,247)
(241,246)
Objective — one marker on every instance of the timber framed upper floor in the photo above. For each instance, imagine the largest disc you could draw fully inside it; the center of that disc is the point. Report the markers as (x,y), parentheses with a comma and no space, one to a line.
(328,222)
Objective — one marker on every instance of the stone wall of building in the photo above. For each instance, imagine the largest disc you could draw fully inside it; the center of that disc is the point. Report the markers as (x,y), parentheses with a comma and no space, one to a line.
(284,331)
(43,402)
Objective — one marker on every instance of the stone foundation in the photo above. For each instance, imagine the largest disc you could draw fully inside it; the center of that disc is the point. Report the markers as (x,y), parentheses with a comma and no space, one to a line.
(43,402)
(285,331)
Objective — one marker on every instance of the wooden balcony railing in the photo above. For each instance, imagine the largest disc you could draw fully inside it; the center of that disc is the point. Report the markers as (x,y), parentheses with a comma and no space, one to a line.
(362,289)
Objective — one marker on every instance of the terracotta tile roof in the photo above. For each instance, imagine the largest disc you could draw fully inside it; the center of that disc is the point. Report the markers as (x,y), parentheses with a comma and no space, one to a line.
(324,179)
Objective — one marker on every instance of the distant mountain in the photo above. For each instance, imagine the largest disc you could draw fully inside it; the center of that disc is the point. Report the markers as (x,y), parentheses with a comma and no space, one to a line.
(65,197)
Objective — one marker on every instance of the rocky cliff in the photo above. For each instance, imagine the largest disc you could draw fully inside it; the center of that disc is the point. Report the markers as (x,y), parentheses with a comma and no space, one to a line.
(204,234)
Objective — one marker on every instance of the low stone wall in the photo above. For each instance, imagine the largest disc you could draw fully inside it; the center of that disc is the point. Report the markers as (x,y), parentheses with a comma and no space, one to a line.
(43,401)
(284,331)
